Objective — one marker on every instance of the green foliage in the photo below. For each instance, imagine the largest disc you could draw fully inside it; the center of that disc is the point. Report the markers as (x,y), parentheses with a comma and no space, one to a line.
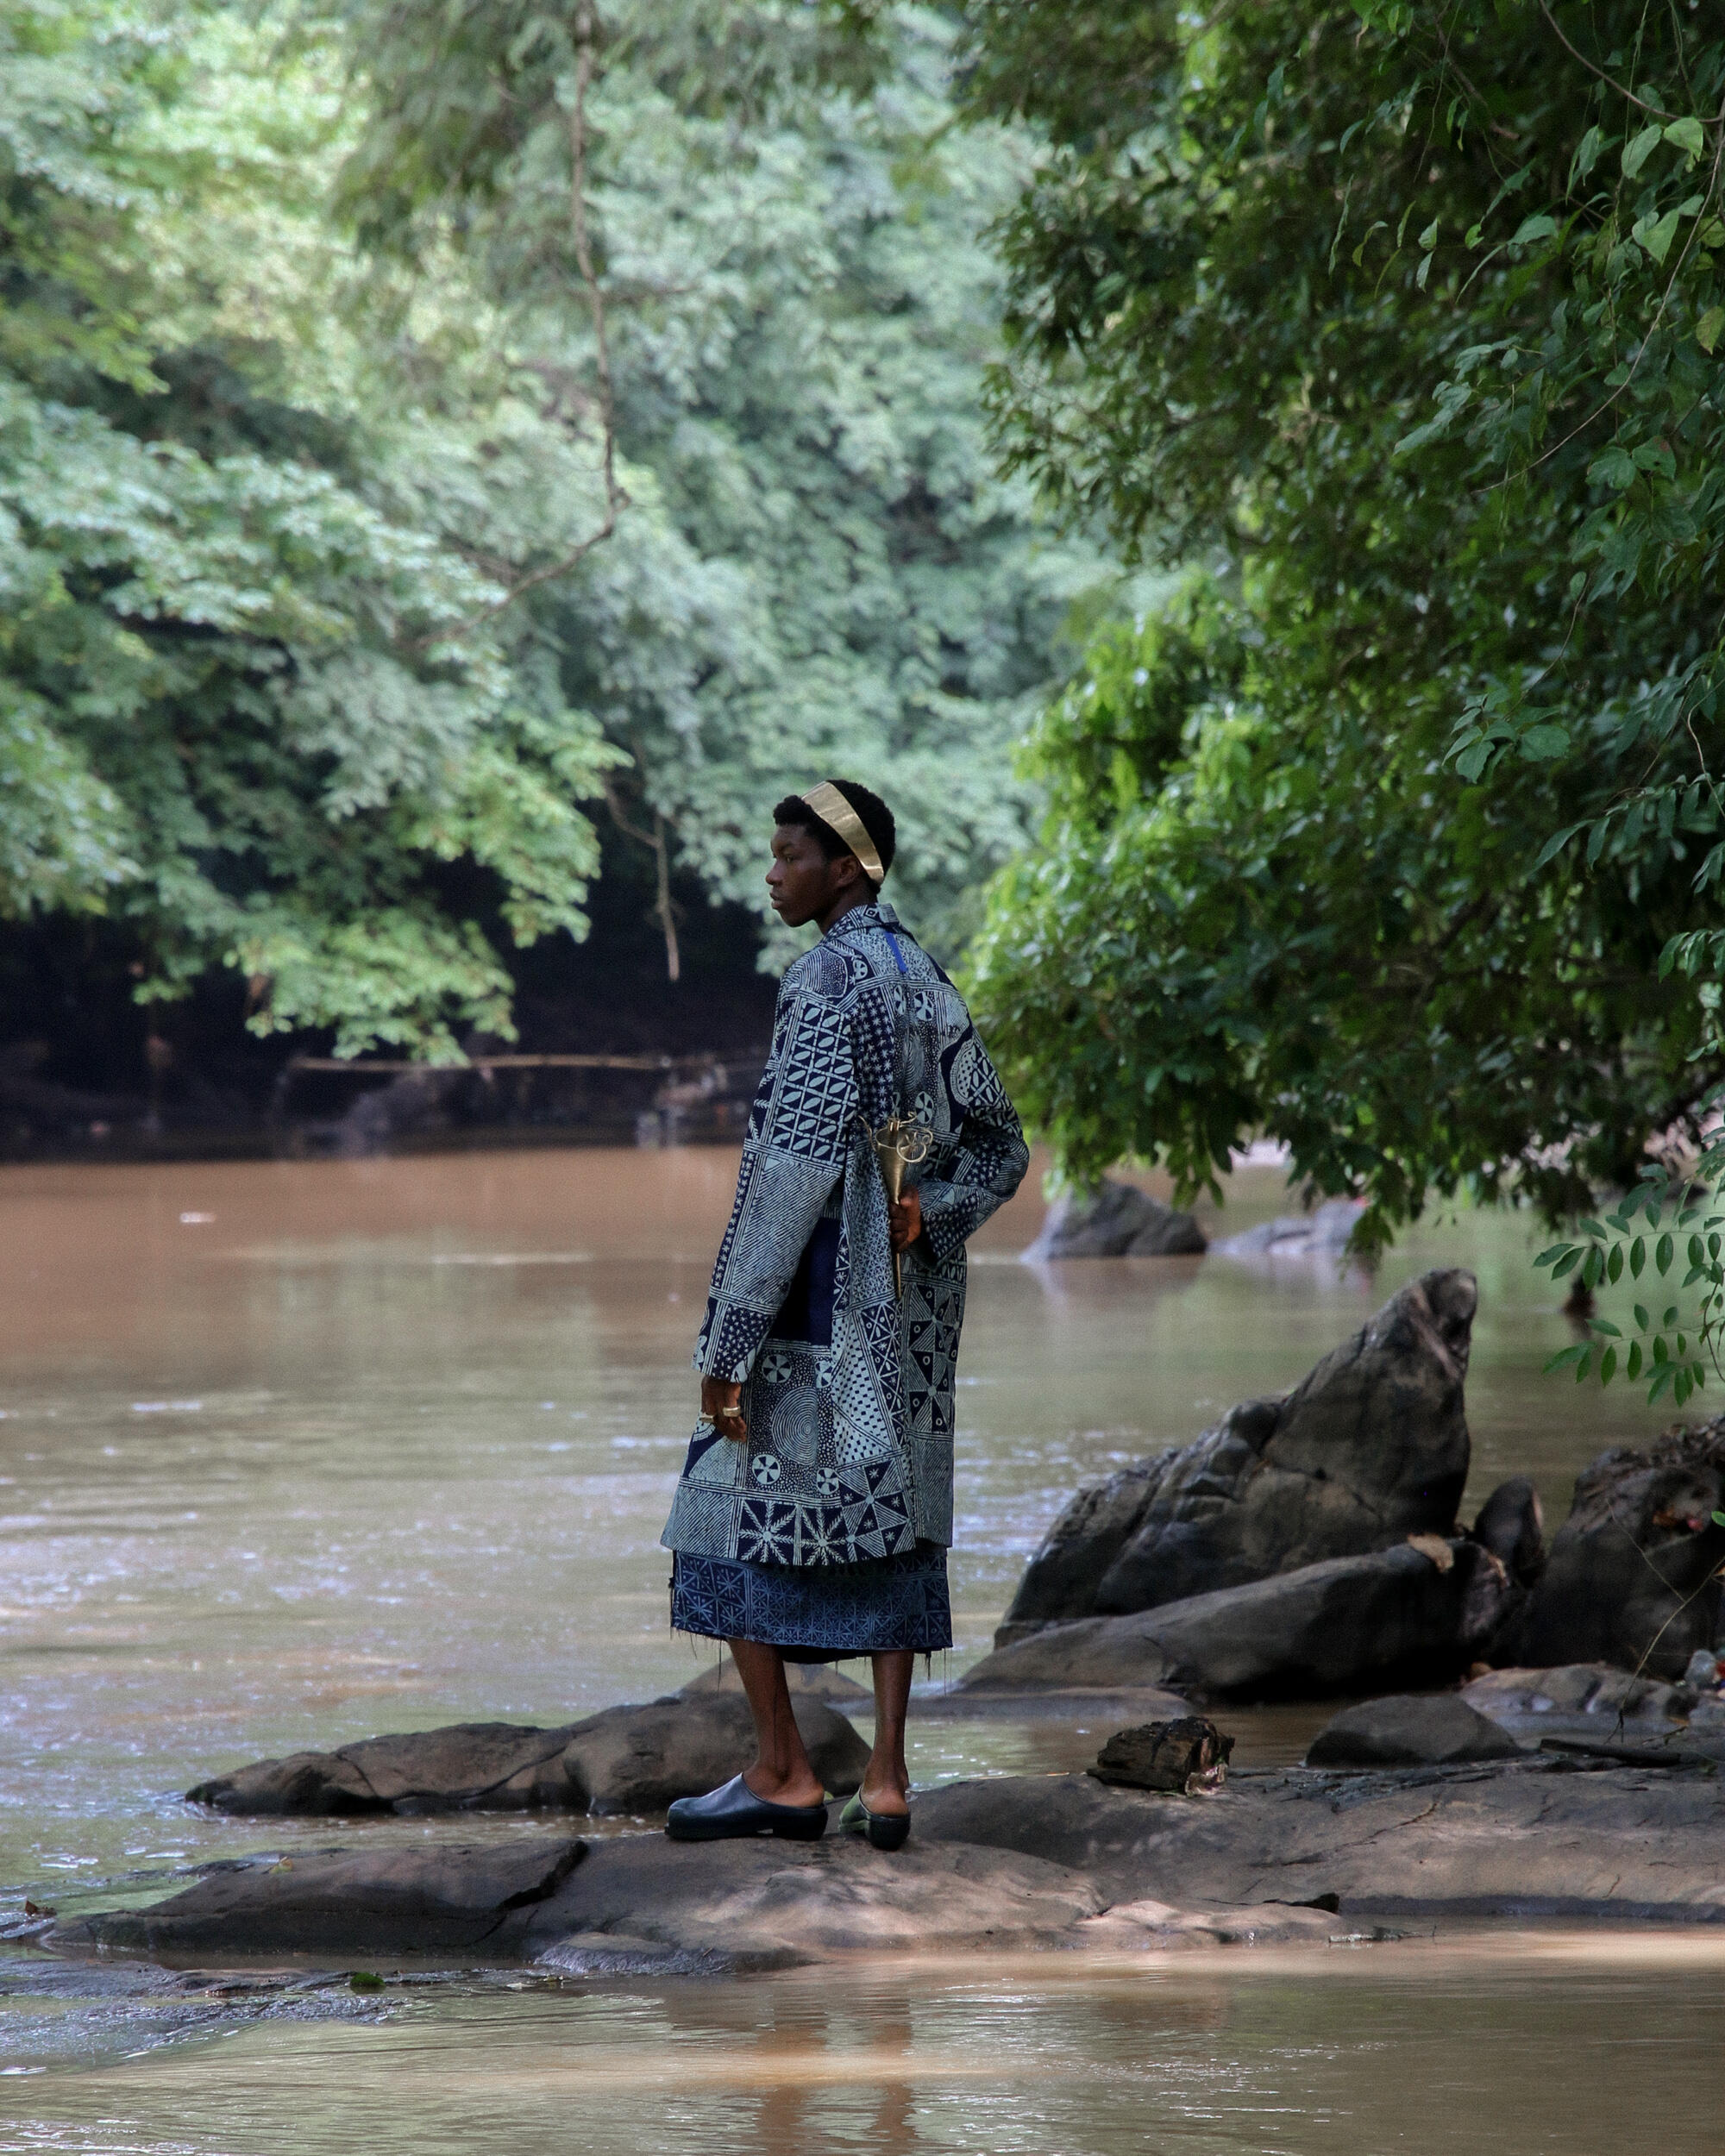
(1408,324)
(230,549)
(301,426)
(1663,1224)
(821,571)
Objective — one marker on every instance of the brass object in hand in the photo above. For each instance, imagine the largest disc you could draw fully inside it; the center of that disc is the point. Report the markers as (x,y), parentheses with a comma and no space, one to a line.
(898,1144)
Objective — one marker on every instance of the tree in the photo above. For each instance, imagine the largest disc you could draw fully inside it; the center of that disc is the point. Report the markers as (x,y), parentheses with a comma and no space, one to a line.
(1402,324)
(233,540)
(422,423)
(820,569)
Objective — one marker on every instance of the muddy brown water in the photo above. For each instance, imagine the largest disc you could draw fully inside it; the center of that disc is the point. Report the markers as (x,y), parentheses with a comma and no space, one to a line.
(291,1453)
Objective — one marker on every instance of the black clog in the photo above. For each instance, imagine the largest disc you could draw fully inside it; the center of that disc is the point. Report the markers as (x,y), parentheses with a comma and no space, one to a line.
(735,1812)
(885,1830)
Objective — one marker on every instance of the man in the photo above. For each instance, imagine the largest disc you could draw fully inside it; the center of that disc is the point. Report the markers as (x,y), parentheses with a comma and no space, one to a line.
(815,1508)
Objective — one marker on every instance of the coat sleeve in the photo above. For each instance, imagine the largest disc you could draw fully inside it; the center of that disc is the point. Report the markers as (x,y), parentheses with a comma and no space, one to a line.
(799,1133)
(977,1174)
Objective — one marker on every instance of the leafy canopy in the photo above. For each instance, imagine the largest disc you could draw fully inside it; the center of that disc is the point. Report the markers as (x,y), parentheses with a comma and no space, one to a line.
(822,571)
(1404,325)
(234,534)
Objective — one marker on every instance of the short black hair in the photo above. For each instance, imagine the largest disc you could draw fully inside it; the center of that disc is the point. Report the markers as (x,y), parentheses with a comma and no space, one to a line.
(875,817)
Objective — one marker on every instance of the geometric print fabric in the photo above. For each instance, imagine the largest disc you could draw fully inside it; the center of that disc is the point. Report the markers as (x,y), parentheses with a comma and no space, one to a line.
(849,1456)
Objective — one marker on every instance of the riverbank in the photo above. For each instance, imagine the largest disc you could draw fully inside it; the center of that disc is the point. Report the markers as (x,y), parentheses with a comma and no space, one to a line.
(1059,1861)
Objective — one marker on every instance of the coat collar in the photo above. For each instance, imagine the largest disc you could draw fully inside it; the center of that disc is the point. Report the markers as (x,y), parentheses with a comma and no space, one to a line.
(875,913)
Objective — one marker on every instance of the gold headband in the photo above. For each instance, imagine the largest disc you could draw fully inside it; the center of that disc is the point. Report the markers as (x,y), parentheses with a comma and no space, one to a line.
(833,810)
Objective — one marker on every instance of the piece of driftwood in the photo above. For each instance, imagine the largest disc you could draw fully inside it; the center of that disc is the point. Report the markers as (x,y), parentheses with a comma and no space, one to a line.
(1182,1756)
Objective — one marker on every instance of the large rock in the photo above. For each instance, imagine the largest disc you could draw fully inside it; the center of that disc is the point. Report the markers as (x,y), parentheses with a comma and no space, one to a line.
(1051,1860)
(1115,1221)
(634,1901)
(1592,1703)
(1629,1579)
(1322,1232)
(621,1761)
(1410,1615)
(1511,1524)
(1371,1447)
(780,1902)
(471,1766)
(1407,1730)
(637,1759)
(455,1898)
(1509,1838)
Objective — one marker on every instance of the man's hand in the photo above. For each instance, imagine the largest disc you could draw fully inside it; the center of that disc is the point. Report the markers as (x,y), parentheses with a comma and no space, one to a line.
(721,1398)
(904,1220)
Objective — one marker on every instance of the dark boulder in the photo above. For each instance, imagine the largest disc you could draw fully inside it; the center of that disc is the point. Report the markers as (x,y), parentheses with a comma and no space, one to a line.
(1411,1615)
(635,1759)
(1410,1731)
(1512,1525)
(1115,1221)
(471,1766)
(449,1898)
(1371,1447)
(1630,1571)
(1516,1837)
(1181,1757)
(623,1760)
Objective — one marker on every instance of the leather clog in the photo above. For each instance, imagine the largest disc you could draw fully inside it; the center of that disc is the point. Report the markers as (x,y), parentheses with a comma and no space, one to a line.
(885,1830)
(734,1812)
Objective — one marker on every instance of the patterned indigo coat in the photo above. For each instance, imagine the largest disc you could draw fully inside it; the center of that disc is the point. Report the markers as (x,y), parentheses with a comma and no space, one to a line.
(847,1393)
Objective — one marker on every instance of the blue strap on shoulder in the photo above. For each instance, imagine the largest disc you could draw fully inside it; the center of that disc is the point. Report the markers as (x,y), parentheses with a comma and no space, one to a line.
(897,956)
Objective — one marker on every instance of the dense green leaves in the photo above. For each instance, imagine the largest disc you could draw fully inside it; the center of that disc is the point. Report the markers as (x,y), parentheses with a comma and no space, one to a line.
(231,538)
(1397,319)
(1667,1221)
(304,669)
(825,573)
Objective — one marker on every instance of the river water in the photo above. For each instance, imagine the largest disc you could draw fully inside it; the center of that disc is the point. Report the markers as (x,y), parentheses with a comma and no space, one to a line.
(292,1453)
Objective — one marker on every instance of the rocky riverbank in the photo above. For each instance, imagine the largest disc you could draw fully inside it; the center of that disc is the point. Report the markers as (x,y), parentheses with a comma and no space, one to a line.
(1050,1861)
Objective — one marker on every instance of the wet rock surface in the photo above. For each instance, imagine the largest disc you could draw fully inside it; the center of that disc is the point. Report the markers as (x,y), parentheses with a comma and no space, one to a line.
(1411,1614)
(1048,1861)
(624,1760)
(1115,1221)
(453,1899)
(1512,1839)
(1629,1571)
(1433,1729)
(1370,1447)
(505,1766)
(1592,1703)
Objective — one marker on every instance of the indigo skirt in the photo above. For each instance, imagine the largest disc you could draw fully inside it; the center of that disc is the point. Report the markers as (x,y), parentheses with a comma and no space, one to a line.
(817,1613)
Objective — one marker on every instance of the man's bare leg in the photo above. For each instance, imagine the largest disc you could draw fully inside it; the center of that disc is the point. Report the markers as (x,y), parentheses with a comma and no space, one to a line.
(782,1773)
(886,1784)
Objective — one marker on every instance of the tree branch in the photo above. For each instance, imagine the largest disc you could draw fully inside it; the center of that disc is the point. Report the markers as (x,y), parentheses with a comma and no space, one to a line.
(655,841)
(1658,111)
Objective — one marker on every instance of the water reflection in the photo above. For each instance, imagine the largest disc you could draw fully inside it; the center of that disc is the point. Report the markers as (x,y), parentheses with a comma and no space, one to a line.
(1497,2047)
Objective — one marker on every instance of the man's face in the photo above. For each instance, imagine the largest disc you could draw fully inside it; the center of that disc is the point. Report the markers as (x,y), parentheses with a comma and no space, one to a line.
(802,883)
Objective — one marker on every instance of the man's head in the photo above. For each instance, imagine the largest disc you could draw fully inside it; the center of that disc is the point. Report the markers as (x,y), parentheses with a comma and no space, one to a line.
(815,876)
